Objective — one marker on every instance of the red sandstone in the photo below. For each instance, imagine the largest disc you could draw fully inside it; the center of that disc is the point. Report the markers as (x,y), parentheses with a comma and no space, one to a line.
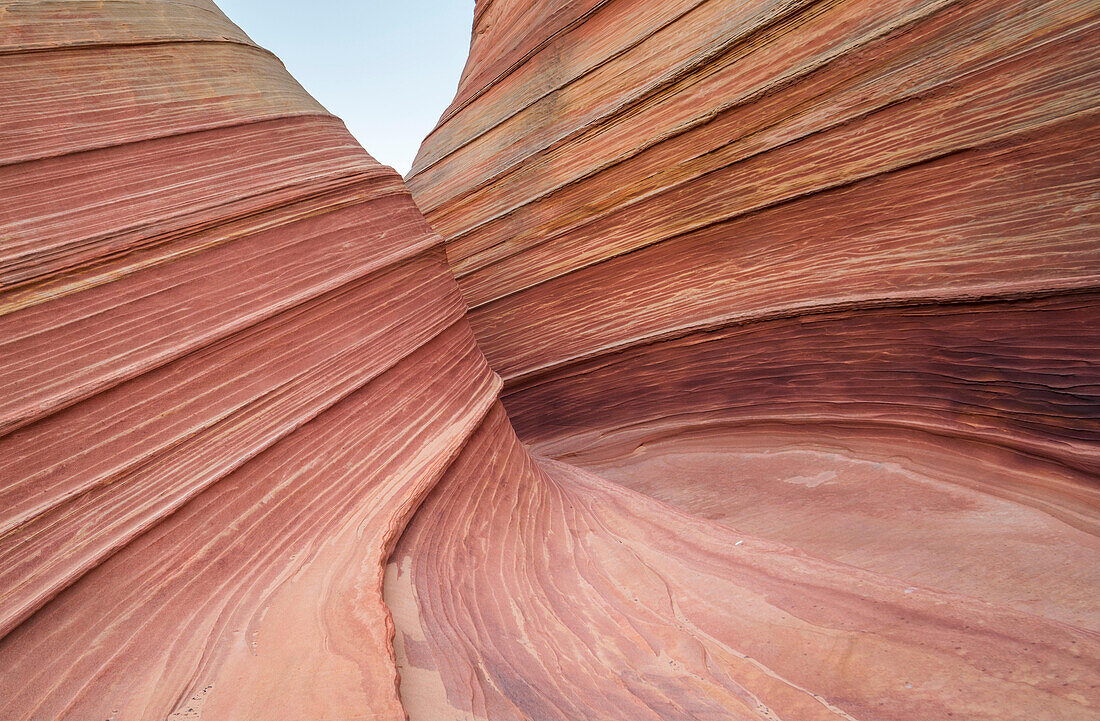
(774,393)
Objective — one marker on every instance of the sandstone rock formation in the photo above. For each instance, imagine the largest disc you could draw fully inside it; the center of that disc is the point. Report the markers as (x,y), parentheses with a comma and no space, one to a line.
(817,274)
(795,306)
(233,360)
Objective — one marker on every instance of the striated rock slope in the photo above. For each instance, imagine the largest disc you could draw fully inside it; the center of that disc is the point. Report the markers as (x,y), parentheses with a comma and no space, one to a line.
(821,273)
(233,361)
(615,178)
(795,303)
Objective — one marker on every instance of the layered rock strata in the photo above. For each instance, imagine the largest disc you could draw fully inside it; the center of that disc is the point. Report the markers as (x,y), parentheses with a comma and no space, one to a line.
(793,302)
(233,360)
(825,274)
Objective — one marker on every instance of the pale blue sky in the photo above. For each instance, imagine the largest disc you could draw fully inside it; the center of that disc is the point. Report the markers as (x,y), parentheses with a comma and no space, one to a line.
(388,69)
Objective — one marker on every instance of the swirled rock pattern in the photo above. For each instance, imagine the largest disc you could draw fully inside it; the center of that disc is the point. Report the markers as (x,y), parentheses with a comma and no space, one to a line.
(821,273)
(527,589)
(793,305)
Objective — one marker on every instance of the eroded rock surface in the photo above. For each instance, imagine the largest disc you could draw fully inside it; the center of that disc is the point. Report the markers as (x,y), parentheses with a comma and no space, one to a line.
(794,305)
(233,360)
(824,274)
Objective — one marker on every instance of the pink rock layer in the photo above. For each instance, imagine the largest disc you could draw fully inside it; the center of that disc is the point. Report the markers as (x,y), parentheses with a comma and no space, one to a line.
(824,277)
(233,359)
(794,303)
